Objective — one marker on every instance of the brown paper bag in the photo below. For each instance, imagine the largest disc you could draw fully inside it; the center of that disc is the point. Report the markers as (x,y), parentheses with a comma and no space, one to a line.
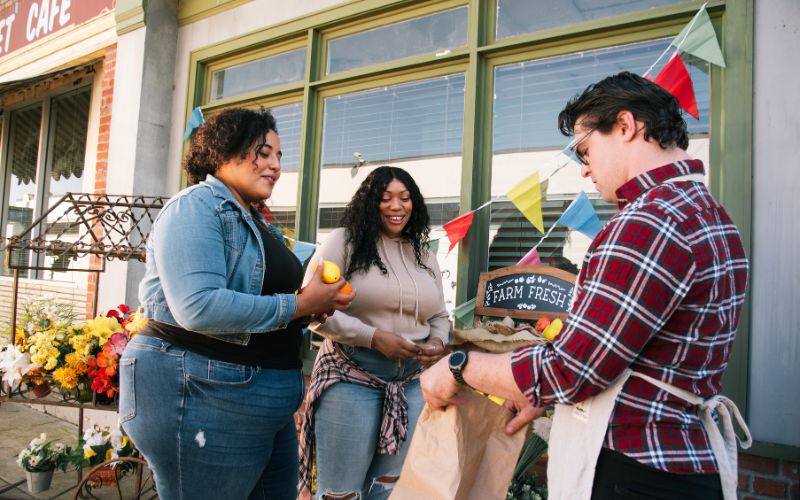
(460,453)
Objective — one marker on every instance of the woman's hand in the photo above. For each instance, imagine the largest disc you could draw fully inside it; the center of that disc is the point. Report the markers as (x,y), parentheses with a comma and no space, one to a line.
(320,299)
(394,346)
(432,351)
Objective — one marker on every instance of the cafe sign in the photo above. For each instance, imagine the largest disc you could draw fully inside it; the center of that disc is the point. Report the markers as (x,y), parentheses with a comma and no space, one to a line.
(23,22)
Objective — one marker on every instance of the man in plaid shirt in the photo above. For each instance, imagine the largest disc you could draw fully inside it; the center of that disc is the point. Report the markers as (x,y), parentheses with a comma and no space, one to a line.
(660,292)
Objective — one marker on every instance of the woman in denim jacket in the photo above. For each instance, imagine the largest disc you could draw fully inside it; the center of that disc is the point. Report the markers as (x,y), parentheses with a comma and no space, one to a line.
(209,387)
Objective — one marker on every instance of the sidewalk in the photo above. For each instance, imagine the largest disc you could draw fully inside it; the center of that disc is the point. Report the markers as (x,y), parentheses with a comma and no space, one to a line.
(18,425)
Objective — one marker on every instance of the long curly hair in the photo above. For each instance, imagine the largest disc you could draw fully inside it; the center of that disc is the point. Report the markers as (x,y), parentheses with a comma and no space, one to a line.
(233,132)
(362,220)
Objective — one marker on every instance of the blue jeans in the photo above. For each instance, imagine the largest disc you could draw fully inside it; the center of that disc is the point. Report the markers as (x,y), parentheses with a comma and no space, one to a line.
(210,429)
(347,420)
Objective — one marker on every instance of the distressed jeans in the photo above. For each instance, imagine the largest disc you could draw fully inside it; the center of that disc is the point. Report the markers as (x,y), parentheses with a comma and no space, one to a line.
(347,420)
(210,429)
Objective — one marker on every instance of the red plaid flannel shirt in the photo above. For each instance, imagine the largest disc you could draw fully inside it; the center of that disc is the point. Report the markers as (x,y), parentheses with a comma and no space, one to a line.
(660,291)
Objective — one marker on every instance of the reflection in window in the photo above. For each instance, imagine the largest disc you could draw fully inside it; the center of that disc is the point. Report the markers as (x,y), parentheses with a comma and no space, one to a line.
(417,126)
(528,97)
(283,202)
(515,17)
(259,74)
(22,184)
(423,35)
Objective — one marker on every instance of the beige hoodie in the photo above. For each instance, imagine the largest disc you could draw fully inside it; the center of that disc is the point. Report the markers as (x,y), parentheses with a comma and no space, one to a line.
(408,301)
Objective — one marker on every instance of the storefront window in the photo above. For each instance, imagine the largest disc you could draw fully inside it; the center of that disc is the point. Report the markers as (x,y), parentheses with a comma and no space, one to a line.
(417,126)
(283,202)
(21,181)
(427,34)
(527,99)
(516,17)
(259,74)
(42,166)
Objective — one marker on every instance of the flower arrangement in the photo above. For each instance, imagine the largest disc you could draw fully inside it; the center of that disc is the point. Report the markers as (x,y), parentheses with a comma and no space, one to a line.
(101,444)
(42,455)
(80,359)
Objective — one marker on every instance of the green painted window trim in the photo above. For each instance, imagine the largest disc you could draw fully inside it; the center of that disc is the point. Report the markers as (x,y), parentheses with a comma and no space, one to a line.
(190,11)
(731,136)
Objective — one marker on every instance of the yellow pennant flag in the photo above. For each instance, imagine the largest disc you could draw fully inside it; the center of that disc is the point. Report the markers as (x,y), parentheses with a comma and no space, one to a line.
(527,197)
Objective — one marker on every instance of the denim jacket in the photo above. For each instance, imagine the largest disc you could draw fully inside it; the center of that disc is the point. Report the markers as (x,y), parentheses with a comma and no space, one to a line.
(205,268)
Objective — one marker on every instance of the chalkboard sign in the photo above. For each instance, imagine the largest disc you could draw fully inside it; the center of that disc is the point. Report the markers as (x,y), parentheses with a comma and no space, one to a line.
(526,292)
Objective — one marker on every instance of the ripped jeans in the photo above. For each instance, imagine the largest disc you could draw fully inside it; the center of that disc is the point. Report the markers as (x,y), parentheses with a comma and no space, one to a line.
(210,429)
(347,421)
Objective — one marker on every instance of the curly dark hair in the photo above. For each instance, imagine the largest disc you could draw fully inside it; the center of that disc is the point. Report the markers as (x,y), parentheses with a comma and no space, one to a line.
(233,132)
(601,102)
(362,219)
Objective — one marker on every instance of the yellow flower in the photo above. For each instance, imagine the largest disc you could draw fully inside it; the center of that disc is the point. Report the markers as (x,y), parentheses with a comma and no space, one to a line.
(66,376)
(75,361)
(108,454)
(136,323)
(89,453)
(102,328)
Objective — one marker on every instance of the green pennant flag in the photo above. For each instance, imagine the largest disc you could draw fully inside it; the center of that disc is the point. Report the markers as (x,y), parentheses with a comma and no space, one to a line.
(433,246)
(465,313)
(699,39)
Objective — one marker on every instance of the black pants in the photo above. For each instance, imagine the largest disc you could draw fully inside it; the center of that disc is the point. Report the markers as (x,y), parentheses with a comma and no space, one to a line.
(619,477)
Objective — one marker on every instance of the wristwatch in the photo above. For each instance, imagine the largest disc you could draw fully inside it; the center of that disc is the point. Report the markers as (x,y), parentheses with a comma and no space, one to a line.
(457,361)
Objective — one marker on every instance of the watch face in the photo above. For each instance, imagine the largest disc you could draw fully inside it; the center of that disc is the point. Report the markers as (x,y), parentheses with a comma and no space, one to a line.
(457,359)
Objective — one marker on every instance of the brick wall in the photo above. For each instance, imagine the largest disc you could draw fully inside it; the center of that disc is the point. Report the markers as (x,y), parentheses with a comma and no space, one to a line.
(101,165)
(766,478)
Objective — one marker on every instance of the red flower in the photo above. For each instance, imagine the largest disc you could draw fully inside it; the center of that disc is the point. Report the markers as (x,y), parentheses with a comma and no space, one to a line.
(124,309)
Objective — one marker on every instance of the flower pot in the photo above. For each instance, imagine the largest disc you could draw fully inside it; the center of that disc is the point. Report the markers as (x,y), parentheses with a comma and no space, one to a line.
(39,481)
(41,390)
(105,476)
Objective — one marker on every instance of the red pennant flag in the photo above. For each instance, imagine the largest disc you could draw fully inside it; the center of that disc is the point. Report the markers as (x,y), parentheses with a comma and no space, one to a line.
(530,259)
(675,79)
(457,228)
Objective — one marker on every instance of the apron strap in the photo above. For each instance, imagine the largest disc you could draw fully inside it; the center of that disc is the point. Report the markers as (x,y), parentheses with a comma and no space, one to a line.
(723,443)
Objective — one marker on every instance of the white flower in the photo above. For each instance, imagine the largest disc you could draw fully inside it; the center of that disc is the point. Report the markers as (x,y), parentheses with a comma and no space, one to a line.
(14,364)
(116,439)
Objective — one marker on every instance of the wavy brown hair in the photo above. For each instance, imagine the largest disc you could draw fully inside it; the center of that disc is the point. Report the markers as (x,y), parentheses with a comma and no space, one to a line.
(362,219)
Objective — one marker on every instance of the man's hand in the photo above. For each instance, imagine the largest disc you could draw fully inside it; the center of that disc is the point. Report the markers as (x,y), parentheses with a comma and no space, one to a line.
(394,346)
(524,413)
(439,388)
(432,351)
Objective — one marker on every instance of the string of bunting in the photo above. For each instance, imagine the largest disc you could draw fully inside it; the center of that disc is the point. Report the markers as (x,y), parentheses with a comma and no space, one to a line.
(697,38)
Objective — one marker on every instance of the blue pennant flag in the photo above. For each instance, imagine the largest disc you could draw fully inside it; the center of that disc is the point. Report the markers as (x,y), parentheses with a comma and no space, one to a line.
(194,121)
(303,250)
(569,153)
(581,217)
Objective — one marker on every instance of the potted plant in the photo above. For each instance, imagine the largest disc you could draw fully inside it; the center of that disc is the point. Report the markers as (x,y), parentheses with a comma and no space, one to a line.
(40,459)
(101,446)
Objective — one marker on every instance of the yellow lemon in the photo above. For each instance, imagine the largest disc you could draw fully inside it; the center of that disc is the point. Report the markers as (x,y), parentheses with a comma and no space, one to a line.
(330,271)
(553,329)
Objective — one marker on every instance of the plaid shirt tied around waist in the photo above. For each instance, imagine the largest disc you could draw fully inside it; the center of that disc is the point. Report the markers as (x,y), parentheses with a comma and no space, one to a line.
(660,291)
(333,366)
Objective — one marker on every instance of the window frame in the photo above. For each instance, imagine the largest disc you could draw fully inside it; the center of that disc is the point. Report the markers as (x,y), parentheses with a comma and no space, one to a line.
(730,131)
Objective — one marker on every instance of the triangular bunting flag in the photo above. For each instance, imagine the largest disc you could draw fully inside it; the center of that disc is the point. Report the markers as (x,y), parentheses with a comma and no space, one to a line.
(581,217)
(465,313)
(303,250)
(527,197)
(195,120)
(530,259)
(433,246)
(674,78)
(457,228)
(699,39)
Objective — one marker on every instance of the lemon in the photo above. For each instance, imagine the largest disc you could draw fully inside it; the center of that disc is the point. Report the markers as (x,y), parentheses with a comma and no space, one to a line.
(330,271)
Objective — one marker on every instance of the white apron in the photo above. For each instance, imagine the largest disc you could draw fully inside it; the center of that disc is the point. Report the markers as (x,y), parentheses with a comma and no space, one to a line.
(578,432)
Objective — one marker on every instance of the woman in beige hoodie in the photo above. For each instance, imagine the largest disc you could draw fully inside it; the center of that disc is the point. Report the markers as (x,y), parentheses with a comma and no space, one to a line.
(364,399)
